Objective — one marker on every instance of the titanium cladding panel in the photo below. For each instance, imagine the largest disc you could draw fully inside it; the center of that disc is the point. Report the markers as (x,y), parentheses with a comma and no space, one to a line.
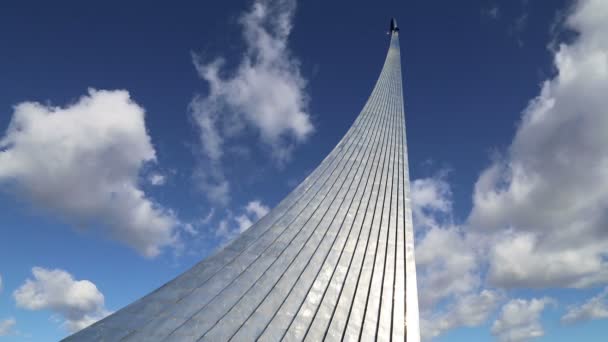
(334,260)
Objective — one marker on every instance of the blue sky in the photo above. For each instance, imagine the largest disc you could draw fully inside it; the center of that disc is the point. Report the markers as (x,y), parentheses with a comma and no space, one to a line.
(135,139)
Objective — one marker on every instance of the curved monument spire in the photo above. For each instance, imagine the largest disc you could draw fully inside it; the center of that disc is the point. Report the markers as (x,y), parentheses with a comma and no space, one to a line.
(333,261)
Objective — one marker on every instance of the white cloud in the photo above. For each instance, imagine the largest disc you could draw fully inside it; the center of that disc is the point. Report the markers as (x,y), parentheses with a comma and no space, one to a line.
(595,308)
(431,193)
(79,302)
(431,199)
(519,320)
(223,230)
(447,262)
(209,217)
(232,225)
(539,214)
(551,189)
(257,209)
(253,212)
(265,94)
(469,311)
(1,283)
(446,265)
(244,222)
(523,259)
(213,182)
(83,161)
(189,228)
(6,326)
(157,179)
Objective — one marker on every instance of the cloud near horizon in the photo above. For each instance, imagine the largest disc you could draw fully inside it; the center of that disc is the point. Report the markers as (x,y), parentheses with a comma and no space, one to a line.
(78,302)
(519,320)
(539,213)
(594,308)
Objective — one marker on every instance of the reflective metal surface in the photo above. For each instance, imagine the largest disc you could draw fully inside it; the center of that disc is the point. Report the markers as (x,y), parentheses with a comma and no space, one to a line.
(334,260)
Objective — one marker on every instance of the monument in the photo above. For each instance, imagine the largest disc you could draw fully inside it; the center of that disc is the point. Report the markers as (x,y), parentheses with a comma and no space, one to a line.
(333,261)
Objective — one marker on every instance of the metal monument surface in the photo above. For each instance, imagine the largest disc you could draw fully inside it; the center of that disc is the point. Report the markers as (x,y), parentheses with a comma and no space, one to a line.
(333,261)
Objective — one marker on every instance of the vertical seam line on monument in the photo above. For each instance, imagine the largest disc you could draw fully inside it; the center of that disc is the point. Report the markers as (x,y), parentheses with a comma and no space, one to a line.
(399,193)
(388,223)
(353,133)
(373,272)
(363,193)
(385,155)
(404,188)
(368,113)
(399,230)
(405,213)
(343,157)
(366,132)
(390,210)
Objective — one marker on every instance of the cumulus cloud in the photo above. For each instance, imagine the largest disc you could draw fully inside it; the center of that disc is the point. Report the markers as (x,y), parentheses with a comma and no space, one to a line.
(520,259)
(446,260)
(519,320)
(1,283)
(539,212)
(431,201)
(82,161)
(469,311)
(551,188)
(6,326)
(78,302)
(595,308)
(451,294)
(447,265)
(264,95)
